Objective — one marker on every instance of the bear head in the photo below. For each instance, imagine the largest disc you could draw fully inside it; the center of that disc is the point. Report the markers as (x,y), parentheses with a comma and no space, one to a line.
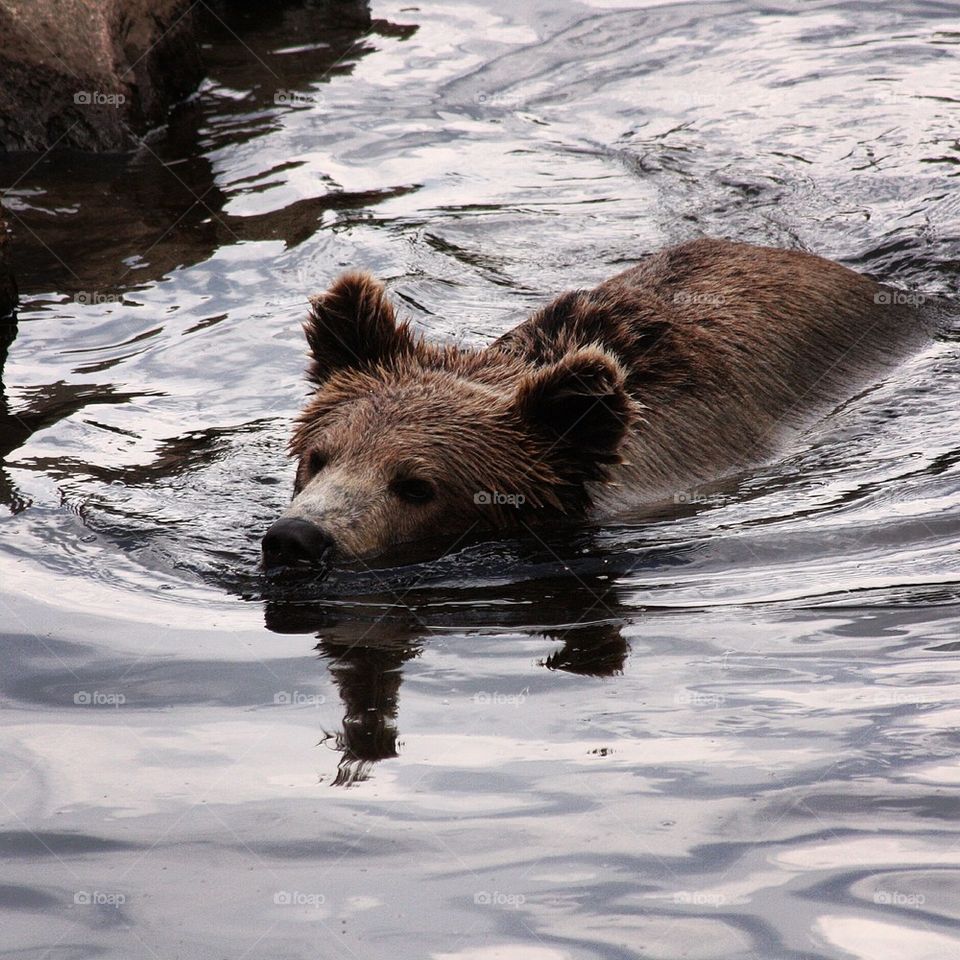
(404,440)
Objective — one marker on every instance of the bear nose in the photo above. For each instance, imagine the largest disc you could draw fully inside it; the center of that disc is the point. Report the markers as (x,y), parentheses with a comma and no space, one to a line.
(295,541)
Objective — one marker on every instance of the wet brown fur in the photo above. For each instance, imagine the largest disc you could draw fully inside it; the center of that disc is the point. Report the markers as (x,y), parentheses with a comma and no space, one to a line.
(691,365)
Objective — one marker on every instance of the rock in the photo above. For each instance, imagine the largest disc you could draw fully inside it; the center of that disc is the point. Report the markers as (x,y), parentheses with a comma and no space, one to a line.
(8,286)
(92,74)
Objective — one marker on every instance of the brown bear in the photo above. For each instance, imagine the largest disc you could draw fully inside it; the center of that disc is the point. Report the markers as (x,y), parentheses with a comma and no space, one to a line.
(694,364)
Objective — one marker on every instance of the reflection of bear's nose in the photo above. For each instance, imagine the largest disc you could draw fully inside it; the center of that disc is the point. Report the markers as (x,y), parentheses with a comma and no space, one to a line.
(294,541)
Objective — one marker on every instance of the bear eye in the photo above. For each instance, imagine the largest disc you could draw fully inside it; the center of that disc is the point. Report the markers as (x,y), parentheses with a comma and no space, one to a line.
(316,461)
(413,491)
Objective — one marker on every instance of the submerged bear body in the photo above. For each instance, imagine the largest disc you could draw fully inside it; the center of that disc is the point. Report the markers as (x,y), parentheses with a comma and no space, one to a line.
(692,365)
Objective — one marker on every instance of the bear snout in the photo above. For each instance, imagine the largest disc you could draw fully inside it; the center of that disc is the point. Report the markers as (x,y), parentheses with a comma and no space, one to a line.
(293,541)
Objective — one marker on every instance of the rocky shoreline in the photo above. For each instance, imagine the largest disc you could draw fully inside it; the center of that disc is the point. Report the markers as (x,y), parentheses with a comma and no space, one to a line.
(92,75)
(8,285)
(97,75)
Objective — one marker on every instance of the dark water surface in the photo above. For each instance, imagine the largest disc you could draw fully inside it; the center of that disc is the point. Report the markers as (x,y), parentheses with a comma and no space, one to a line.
(726,733)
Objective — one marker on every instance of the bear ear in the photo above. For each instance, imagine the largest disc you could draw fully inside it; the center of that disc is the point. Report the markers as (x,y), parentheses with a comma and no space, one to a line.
(580,405)
(352,325)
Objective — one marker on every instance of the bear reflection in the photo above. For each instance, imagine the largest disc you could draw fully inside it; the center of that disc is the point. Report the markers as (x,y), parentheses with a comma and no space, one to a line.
(366,658)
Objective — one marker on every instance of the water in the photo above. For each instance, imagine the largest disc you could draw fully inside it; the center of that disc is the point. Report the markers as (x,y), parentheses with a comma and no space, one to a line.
(727,732)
